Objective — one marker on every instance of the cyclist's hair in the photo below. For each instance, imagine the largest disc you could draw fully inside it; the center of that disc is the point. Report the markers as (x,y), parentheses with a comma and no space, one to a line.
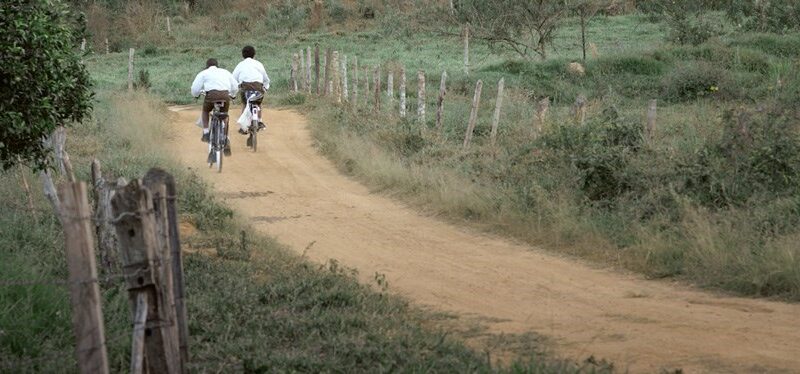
(211,62)
(248,51)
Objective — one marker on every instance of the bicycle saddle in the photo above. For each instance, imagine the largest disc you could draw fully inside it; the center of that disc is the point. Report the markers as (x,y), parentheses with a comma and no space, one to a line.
(254,95)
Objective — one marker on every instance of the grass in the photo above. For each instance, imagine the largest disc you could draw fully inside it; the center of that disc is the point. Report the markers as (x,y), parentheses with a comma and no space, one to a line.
(254,310)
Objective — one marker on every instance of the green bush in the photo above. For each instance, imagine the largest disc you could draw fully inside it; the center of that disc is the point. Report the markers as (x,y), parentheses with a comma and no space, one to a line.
(776,16)
(777,45)
(690,81)
(626,64)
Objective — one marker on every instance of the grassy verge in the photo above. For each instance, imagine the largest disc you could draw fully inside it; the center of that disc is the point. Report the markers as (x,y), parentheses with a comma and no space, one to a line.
(257,309)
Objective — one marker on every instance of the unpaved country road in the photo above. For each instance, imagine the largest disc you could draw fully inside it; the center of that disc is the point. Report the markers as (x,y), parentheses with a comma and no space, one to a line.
(291,192)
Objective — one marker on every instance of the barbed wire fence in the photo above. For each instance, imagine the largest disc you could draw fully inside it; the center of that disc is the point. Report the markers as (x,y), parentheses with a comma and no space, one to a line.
(139,219)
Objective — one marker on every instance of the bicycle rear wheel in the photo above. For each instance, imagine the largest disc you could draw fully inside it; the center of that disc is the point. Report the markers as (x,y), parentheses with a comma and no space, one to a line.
(254,135)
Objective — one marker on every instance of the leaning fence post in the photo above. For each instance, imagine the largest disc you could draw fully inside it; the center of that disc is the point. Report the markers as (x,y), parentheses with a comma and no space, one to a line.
(473,114)
(377,77)
(355,80)
(106,235)
(651,119)
(137,231)
(390,85)
(327,70)
(579,110)
(130,69)
(421,96)
(403,92)
(542,107)
(345,89)
(316,69)
(87,315)
(440,102)
(308,69)
(497,105)
(466,49)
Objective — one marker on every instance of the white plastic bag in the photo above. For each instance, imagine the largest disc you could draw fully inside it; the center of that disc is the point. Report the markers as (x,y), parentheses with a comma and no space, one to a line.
(245,118)
(199,121)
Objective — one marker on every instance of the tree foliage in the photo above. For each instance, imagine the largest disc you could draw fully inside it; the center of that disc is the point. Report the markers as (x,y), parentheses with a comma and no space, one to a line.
(43,83)
(526,27)
(776,16)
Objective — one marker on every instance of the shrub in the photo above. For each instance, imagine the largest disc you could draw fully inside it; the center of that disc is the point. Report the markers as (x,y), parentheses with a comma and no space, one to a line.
(776,45)
(690,29)
(43,83)
(630,64)
(777,16)
(688,81)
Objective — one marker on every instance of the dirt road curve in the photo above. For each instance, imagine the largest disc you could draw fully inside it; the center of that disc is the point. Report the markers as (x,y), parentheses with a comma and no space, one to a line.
(291,192)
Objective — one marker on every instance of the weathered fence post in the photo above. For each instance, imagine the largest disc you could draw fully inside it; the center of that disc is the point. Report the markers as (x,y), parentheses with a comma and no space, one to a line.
(440,102)
(141,254)
(167,212)
(316,69)
(293,77)
(327,71)
(106,235)
(355,80)
(421,96)
(130,69)
(651,119)
(542,107)
(377,77)
(497,105)
(83,45)
(308,69)
(390,85)
(367,92)
(302,71)
(345,89)
(169,27)
(107,50)
(579,110)
(335,79)
(139,325)
(473,114)
(50,192)
(87,315)
(466,49)
(403,92)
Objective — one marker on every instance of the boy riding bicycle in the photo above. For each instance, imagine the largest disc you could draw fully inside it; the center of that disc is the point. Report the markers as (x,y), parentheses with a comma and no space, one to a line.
(251,76)
(218,85)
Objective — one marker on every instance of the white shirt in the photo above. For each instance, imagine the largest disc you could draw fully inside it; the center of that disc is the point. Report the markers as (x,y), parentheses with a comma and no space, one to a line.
(214,78)
(250,70)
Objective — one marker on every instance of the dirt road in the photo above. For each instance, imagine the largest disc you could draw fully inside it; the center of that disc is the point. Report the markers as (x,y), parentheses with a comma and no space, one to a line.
(292,193)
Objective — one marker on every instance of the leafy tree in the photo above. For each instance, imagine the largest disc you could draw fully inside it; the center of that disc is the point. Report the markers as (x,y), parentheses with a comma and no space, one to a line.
(43,83)
(776,16)
(586,10)
(526,27)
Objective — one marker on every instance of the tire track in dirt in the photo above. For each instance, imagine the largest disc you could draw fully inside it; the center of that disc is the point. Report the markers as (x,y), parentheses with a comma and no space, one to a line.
(640,325)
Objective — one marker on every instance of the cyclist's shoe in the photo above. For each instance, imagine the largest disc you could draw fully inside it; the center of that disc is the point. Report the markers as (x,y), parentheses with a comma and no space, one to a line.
(250,141)
(204,139)
(227,149)
(243,132)
(261,126)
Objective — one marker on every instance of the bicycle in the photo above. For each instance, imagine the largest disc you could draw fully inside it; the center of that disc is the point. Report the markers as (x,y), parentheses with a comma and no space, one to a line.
(216,136)
(252,99)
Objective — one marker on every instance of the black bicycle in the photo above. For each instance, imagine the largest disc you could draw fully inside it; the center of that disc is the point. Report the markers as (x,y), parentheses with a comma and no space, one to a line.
(254,99)
(217,140)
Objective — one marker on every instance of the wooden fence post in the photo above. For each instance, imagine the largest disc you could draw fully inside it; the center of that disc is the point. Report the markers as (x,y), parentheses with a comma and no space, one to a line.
(87,315)
(377,77)
(139,325)
(355,80)
(651,119)
(542,107)
(106,235)
(107,50)
(169,27)
(366,86)
(140,251)
(440,103)
(497,105)
(335,79)
(130,69)
(466,49)
(293,77)
(473,114)
(308,69)
(403,92)
(302,71)
(327,70)
(316,69)
(155,179)
(421,96)
(579,110)
(345,89)
(390,85)
(83,45)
